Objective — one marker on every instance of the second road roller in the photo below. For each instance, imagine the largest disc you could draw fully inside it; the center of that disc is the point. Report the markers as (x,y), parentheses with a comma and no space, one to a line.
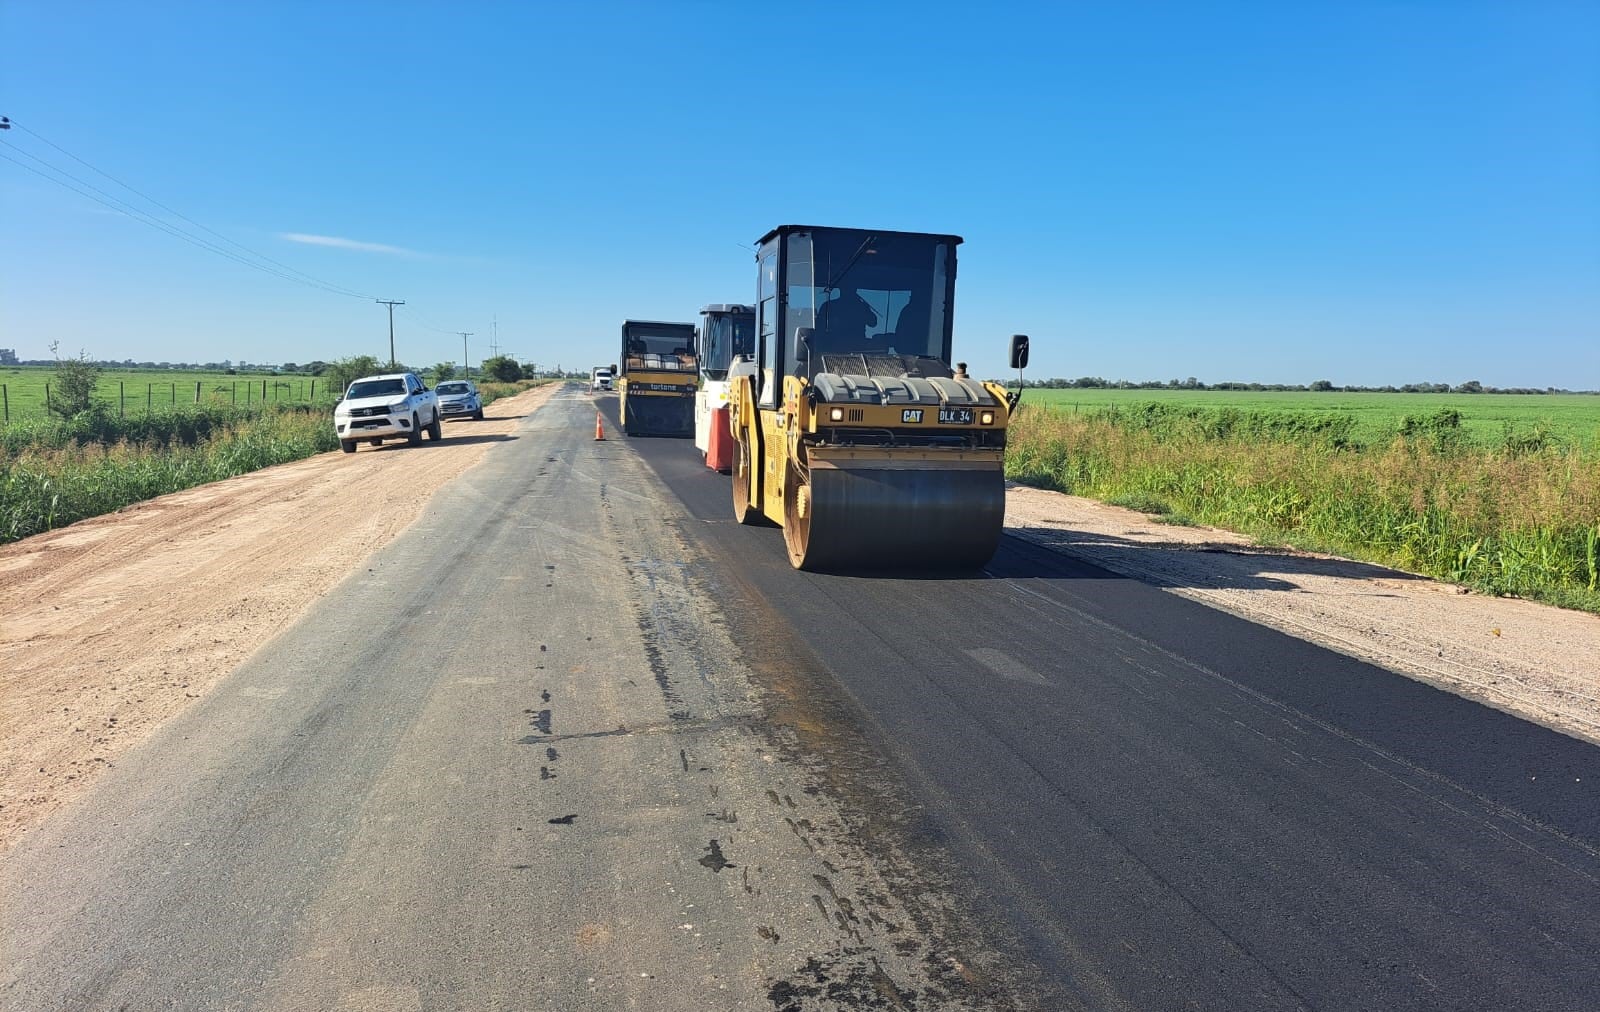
(851,429)
(657,386)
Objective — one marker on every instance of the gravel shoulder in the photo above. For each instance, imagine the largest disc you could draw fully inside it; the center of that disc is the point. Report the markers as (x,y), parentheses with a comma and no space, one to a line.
(1532,660)
(112,626)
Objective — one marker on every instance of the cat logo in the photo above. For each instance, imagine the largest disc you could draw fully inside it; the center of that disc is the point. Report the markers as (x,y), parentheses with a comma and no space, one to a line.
(911,415)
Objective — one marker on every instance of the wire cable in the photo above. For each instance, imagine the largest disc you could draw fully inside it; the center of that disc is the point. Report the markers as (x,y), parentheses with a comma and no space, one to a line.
(139,216)
(277,268)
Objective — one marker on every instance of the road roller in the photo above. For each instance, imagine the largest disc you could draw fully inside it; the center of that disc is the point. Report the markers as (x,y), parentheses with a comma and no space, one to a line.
(658,375)
(851,430)
(727,332)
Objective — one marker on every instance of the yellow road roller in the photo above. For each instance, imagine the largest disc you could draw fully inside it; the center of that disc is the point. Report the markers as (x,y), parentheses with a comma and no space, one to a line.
(851,430)
(657,387)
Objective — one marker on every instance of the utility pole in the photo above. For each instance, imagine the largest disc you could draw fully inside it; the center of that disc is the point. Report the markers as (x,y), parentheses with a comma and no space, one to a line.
(391,303)
(465,362)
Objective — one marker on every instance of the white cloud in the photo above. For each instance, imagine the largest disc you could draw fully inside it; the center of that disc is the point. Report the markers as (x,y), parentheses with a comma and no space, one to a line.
(341,243)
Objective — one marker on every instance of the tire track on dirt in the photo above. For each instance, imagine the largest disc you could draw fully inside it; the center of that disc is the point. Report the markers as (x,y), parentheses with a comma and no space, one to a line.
(113,625)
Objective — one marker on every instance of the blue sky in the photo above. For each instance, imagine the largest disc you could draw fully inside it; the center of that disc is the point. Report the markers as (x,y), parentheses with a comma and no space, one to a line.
(1368,193)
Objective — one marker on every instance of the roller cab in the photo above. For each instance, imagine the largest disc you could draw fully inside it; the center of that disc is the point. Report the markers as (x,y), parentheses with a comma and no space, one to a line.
(659,376)
(851,429)
(727,333)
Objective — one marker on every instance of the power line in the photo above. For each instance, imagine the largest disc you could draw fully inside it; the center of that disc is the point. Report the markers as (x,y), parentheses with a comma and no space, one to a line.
(179,214)
(278,269)
(129,211)
(428,324)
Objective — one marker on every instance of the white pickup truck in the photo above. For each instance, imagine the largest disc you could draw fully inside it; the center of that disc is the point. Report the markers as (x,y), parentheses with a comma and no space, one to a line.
(388,406)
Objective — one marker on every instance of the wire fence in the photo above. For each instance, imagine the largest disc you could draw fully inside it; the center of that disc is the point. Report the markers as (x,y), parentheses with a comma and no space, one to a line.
(34,400)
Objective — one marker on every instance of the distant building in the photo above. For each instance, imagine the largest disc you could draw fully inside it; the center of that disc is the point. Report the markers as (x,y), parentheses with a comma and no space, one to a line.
(8,356)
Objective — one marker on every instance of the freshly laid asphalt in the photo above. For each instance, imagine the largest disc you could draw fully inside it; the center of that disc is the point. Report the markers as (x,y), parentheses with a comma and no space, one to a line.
(578,740)
(1172,807)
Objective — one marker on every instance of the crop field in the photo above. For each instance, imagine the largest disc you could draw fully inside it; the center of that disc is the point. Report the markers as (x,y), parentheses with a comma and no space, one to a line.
(136,390)
(1567,419)
(1498,492)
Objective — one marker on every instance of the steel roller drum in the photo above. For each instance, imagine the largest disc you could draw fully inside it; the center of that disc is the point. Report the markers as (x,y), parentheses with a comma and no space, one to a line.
(659,416)
(902,509)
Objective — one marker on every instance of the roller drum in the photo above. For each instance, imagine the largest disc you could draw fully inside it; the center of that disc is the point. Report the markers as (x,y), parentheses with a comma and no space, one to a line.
(861,513)
(644,415)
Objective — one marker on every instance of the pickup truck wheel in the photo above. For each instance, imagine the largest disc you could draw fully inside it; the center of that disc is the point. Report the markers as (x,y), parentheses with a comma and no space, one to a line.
(436,430)
(477,415)
(375,442)
(414,437)
(347,445)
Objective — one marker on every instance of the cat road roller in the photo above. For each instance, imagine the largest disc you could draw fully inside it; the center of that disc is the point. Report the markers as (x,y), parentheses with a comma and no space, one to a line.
(851,431)
(657,384)
(727,331)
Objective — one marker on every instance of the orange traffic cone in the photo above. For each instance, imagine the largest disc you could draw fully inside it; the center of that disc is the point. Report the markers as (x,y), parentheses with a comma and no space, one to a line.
(599,430)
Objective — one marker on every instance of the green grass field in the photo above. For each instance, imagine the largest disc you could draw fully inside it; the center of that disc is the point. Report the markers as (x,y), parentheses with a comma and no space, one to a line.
(1570,419)
(135,389)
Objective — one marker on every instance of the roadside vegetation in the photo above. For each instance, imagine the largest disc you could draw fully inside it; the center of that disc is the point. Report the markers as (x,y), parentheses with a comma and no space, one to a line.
(1518,514)
(49,478)
(88,457)
(1376,416)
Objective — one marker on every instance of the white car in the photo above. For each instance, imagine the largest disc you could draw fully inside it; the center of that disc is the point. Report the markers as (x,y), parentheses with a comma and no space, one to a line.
(388,406)
(460,399)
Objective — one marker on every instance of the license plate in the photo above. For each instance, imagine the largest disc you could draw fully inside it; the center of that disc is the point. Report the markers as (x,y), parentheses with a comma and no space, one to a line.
(955,416)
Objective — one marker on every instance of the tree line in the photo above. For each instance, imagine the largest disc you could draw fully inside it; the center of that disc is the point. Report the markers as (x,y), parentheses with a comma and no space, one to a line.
(1317,386)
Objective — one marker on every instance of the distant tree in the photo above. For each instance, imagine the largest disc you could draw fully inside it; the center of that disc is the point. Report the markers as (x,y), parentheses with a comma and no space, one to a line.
(503,368)
(1322,385)
(1470,387)
(75,381)
(342,372)
(443,371)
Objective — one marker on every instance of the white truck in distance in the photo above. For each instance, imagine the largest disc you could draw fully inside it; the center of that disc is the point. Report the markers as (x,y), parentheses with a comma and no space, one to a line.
(601,379)
(387,406)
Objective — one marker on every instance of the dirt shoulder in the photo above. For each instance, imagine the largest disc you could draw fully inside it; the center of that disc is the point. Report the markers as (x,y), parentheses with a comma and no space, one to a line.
(1532,660)
(114,624)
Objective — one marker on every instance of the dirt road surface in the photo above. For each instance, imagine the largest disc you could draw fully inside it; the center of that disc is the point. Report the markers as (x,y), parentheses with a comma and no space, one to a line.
(115,624)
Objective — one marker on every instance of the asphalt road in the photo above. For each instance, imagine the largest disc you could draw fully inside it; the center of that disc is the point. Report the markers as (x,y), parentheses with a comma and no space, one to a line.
(513,762)
(1172,807)
(577,740)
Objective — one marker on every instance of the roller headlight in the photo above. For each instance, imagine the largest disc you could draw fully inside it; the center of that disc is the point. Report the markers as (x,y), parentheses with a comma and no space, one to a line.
(836,414)
(986,418)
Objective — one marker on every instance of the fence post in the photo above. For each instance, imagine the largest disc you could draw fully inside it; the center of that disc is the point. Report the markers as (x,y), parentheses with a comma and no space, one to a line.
(47,398)
(197,391)
(313,392)
(149,397)
(235,385)
(7,398)
(174,393)
(263,391)
(122,399)
(248,386)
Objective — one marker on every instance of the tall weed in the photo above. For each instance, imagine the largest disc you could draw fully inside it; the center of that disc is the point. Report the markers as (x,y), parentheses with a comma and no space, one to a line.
(1523,518)
(55,480)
